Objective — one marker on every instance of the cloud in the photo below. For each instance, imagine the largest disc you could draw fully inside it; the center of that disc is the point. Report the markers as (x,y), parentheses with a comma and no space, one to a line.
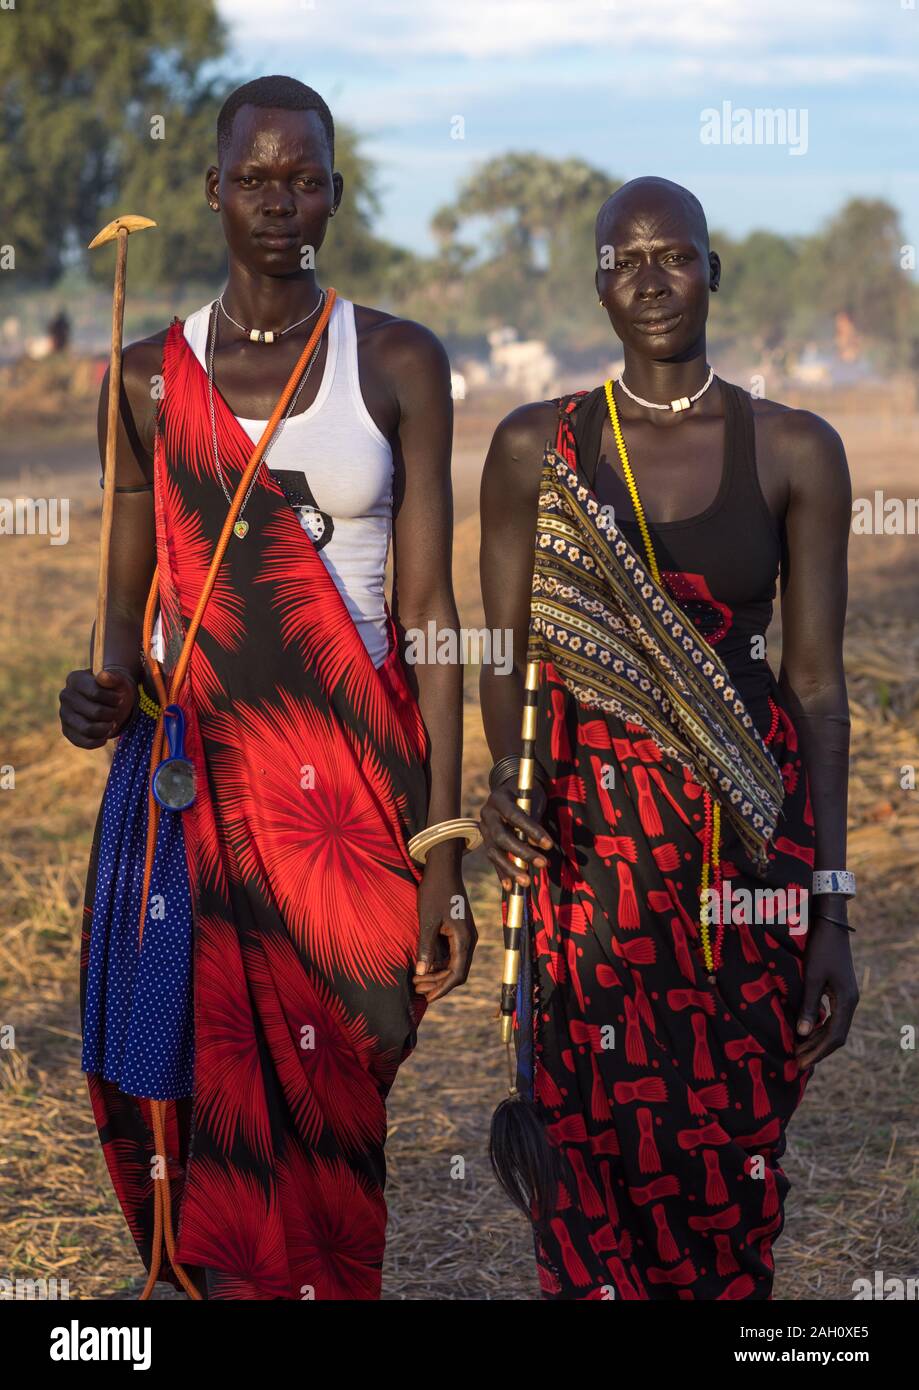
(619,84)
(401,30)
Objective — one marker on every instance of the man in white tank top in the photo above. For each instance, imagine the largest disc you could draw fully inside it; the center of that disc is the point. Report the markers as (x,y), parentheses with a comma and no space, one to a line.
(317,750)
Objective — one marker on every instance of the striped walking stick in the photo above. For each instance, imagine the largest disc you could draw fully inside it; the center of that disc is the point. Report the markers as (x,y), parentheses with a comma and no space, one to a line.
(527,1166)
(525,780)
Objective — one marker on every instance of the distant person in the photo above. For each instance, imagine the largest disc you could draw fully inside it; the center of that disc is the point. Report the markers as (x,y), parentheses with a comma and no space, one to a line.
(632,537)
(280,982)
(58,331)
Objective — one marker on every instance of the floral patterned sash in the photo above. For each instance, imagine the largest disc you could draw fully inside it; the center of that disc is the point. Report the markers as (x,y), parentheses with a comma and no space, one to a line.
(620,643)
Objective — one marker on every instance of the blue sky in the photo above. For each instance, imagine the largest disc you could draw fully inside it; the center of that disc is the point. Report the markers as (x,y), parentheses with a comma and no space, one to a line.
(622,84)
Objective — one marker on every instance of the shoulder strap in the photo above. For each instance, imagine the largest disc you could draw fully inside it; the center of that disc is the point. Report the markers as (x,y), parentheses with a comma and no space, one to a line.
(586,426)
(248,474)
(745,432)
(565,405)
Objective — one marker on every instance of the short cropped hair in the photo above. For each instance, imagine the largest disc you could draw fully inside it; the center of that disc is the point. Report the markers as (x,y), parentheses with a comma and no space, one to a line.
(285,93)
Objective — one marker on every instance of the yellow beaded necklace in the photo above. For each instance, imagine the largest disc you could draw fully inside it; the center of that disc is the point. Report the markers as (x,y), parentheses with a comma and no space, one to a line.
(711,844)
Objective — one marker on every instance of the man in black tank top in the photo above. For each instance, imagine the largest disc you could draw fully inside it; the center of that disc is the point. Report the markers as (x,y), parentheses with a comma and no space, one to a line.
(732,549)
(679,939)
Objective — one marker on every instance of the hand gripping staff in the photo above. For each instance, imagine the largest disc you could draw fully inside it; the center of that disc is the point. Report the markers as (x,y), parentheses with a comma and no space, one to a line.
(162,1205)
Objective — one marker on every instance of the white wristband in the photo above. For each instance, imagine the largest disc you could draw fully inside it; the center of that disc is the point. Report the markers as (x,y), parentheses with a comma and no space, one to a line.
(840,881)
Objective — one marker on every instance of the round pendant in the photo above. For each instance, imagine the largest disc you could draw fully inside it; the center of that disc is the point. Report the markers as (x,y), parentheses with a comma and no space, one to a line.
(240,528)
(174,784)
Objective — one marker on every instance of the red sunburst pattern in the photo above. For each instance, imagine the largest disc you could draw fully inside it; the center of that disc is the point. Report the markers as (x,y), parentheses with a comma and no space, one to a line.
(184,418)
(310,781)
(229,1092)
(323,630)
(330,1052)
(325,853)
(336,1228)
(190,553)
(230,1224)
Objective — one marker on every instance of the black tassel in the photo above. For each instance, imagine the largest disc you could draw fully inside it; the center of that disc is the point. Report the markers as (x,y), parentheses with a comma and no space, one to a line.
(528,1167)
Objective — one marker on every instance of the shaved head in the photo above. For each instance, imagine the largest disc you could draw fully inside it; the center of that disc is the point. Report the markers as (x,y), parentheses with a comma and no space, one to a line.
(651,196)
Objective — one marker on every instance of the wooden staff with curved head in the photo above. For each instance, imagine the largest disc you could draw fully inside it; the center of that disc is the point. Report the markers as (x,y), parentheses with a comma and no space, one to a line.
(121,227)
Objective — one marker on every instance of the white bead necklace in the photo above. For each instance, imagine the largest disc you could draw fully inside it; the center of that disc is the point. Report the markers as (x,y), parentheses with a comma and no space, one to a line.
(681,403)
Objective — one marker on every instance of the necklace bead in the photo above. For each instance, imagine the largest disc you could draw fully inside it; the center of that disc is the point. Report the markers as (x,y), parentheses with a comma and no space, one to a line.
(270,335)
(241,527)
(681,402)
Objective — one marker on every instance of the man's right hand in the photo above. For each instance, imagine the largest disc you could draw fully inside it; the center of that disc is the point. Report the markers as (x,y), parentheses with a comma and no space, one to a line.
(499,816)
(96,708)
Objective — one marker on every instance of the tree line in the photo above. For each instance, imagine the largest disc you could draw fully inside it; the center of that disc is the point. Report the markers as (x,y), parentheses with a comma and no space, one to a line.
(111,106)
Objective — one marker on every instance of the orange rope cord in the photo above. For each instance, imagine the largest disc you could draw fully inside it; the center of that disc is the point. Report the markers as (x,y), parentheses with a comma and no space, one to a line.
(153,809)
(157,1247)
(162,1205)
(158,1113)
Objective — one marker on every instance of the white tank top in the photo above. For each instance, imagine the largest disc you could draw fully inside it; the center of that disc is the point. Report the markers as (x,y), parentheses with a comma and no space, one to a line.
(348,467)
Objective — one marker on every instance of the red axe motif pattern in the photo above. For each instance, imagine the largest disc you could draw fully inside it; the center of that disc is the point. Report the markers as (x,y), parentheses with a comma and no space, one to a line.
(661,1089)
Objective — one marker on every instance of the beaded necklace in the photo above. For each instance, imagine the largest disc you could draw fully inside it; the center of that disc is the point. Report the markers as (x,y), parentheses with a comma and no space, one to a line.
(711,839)
(241,526)
(268,335)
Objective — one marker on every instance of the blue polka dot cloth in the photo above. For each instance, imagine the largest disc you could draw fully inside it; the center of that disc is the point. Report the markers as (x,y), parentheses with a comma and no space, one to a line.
(138,1021)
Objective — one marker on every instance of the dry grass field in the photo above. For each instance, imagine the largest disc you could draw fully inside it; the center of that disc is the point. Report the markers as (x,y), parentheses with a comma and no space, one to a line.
(853,1156)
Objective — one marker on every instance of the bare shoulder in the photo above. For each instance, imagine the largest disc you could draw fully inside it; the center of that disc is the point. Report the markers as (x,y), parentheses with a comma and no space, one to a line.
(805,451)
(799,434)
(141,362)
(527,428)
(144,358)
(402,344)
(141,365)
(515,457)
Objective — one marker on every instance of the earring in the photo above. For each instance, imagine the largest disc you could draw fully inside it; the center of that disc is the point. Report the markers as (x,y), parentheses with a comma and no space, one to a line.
(332,212)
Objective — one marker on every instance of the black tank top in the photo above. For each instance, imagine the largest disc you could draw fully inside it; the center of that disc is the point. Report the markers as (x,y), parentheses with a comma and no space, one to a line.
(720,565)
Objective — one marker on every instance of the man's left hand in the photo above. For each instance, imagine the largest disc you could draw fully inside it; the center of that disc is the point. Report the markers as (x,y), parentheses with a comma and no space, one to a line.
(828,970)
(448,936)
